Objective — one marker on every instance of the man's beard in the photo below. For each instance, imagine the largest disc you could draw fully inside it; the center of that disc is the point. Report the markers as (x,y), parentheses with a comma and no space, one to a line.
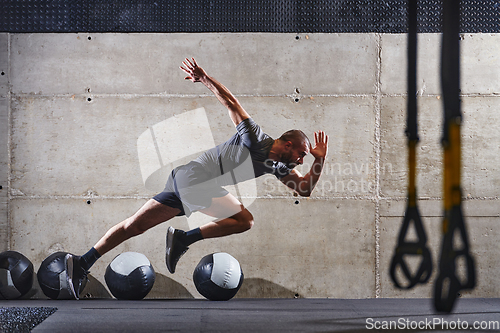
(287,160)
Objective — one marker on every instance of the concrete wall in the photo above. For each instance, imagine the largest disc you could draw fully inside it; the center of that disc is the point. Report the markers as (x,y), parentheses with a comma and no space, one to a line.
(73,107)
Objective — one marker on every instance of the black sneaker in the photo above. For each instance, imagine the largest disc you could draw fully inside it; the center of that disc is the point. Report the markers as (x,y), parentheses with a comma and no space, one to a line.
(175,248)
(76,275)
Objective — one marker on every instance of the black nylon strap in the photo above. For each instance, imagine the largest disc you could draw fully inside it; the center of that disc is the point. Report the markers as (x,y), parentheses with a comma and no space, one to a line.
(417,248)
(411,121)
(448,284)
(404,249)
(450,65)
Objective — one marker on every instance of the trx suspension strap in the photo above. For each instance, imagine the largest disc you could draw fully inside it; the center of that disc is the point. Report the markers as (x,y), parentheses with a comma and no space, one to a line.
(448,284)
(418,247)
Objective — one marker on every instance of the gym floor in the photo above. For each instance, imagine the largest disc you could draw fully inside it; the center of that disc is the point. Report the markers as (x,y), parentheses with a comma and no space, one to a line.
(249,315)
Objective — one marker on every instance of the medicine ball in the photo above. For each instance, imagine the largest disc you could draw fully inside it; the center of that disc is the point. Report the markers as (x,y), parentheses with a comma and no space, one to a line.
(16,275)
(130,276)
(218,276)
(53,277)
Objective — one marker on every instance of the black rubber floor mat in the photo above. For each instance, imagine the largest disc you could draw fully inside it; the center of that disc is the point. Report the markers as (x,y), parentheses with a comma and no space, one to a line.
(286,16)
(23,319)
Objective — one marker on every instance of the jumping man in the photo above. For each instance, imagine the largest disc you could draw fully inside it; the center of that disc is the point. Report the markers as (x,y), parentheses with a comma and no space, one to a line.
(197,186)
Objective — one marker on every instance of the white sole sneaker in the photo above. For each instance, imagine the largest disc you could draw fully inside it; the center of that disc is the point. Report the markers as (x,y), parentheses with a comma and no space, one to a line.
(69,274)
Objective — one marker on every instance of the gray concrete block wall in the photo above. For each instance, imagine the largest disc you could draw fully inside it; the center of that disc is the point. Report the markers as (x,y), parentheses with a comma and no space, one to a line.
(77,105)
(4,142)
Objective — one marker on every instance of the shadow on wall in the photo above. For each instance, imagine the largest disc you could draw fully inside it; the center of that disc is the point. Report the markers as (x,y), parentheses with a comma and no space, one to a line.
(93,289)
(260,288)
(165,287)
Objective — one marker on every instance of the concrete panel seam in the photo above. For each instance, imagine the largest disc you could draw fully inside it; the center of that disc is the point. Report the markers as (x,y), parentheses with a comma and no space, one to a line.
(378,147)
(397,199)
(79,197)
(9,143)
(422,198)
(291,96)
(167,95)
(119,197)
(494,94)
(480,198)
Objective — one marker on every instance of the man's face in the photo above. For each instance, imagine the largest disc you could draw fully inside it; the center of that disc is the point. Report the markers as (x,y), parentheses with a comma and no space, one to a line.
(295,155)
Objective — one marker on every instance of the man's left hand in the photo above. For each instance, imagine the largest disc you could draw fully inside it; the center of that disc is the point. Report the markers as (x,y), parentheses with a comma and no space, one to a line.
(320,149)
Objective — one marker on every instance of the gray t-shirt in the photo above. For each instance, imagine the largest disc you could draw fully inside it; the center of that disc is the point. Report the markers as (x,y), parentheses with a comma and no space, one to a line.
(244,156)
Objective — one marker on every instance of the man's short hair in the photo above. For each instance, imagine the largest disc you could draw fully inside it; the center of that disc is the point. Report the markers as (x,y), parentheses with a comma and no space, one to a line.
(297,137)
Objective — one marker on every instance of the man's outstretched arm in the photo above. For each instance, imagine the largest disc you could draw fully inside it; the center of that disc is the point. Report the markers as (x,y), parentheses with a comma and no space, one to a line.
(197,74)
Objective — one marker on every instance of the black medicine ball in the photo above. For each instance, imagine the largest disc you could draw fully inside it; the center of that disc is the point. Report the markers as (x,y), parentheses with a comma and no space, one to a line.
(53,277)
(16,275)
(218,276)
(130,276)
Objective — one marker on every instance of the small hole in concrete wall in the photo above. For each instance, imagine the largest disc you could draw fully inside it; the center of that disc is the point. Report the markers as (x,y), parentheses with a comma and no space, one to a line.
(89,38)
(297,100)
(297,90)
(89,202)
(3,73)
(296,295)
(297,202)
(1,187)
(88,90)
(89,99)
(297,37)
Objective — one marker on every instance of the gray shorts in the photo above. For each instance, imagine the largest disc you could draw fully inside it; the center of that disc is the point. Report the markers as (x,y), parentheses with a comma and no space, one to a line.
(190,188)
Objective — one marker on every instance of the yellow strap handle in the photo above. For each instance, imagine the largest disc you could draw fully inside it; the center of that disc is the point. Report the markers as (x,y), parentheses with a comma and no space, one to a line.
(452,166)
(412,170)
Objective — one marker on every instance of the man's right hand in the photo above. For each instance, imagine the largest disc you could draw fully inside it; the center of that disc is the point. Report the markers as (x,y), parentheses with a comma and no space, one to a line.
(195,72)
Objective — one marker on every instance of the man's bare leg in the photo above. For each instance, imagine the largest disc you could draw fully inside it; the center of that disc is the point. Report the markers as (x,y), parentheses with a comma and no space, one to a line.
(232,217)
(149,215)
